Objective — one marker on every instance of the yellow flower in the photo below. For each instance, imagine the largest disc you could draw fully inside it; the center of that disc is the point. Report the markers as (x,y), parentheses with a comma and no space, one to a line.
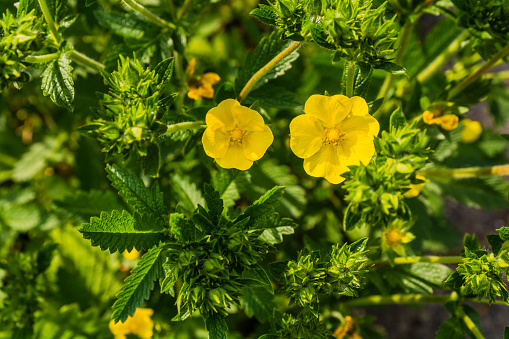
(396,237)
(335,132)
(140,324)
(347,330)
(447,121)
(134,254)
(235,135)
(200,87)
(471,131)
(415,189)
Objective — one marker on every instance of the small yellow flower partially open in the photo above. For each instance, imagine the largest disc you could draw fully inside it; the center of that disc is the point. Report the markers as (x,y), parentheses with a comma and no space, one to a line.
(235,135)
(335,132)
(415,189)
(201,87)
(140,324)
(471,131)
(447,122)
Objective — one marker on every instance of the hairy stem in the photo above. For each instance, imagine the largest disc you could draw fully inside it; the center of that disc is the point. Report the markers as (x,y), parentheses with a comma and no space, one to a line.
(49,19)
(431,259)
(265,69)
(412,299)
(442,58)
(184,125)
(350,79)
(86,61)
(37,59)
(470,172)
(406,32)
(469,323)
(149,15)
(486,66)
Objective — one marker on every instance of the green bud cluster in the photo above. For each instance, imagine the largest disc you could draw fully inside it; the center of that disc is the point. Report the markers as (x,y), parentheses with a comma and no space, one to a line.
(481,275)
(19,38)
(304,325)
(341,272)
(129,115)
(214,258)
(358,31)
(290,17)
(375,191)
(488,21)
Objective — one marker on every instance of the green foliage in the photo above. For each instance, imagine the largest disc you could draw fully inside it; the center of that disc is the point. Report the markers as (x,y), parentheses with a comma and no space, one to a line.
(304,325)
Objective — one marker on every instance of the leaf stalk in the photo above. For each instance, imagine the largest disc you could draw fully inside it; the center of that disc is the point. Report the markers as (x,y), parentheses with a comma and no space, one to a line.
(149,15)
(469,172)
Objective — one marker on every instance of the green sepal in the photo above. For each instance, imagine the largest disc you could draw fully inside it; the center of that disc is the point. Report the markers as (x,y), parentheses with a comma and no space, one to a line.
(320,35)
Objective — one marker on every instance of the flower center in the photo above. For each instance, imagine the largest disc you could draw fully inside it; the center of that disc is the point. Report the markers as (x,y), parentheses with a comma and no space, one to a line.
(332,136)
(393,237)
(236,134)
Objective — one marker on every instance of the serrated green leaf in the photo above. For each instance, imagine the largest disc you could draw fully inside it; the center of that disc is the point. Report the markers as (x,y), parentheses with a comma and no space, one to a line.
(393,68)
(214,203)
(398,119)
(265,14)
(495,242)
(278,270)
(216,326)
(164,71)
(267,49)
(257,302)
(26,6)
(57,80)
(138,285)
(119,231)
(319,35)
(225,91)
(151,161)
(133,190)
(85,205)
(122,24)
(230,184)
(263,207)
(450,329)
(274,97)
(276,227)
(187,193)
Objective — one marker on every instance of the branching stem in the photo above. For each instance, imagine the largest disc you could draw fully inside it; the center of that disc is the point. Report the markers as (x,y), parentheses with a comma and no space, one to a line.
(49,19)
(469,323)
(265,69)
(481,70)
(37,59)
(469,172)
(149,15)
(86,61)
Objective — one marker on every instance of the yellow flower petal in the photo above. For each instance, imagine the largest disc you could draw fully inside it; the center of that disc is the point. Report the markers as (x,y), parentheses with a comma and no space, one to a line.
(359,106)
(448,121)
(330,110)
(306,134)
(356,147)
(190,66)
(235,158)
(210,78)
(366,124)
(255,144)
(325,163)
(428,117)
(194,93)
(206,91)
(222,114)
(471,131)
(215,141)
(140,324)
(247,119)
(415,189)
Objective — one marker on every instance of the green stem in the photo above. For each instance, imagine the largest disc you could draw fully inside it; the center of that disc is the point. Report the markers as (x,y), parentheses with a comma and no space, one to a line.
(183,126)
(184,9)
(406,33)
(49,19)
(37,59)
(412,299)
(442,58)
(149,15)
(486,66)
(431,259)
(469,323)
(86,61)
(179,73)
(265,69)
(350,79)
(469,172)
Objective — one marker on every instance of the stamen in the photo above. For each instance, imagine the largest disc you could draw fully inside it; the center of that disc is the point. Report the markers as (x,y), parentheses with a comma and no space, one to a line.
(332,136)
(236,135)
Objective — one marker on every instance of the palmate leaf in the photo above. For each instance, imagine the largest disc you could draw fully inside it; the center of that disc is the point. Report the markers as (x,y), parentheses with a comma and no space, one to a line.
(132,188)
(119,231)
(57,80)
(138,285)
